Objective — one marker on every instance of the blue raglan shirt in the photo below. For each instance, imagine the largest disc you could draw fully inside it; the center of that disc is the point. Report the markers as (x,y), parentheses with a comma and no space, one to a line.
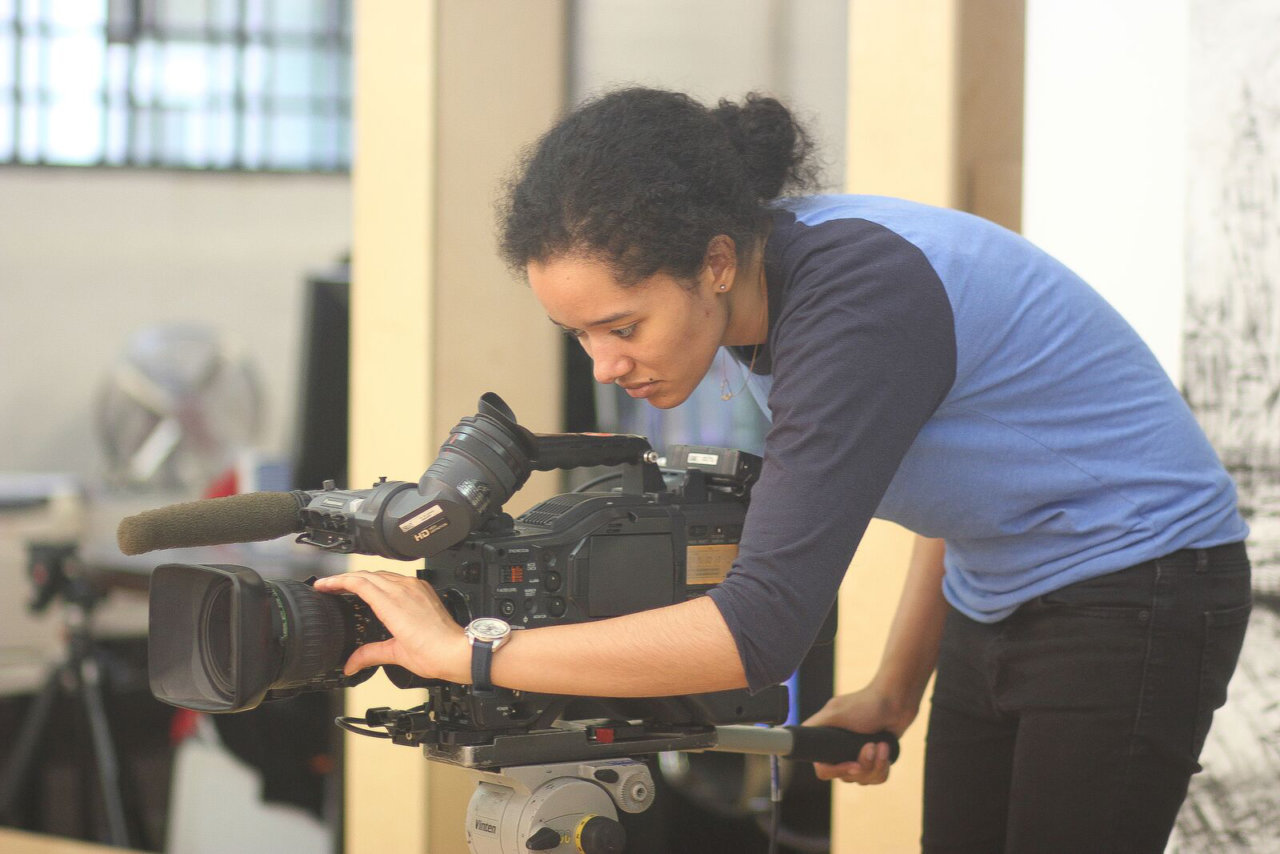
(930,368)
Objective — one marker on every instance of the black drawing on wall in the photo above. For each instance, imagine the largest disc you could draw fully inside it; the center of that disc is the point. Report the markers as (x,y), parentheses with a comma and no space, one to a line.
(1231,374)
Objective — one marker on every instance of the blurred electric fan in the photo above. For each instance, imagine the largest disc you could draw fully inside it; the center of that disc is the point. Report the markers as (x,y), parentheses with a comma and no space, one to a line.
(177,408)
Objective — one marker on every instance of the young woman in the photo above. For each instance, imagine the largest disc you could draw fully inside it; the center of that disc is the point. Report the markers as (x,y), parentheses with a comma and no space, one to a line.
(1080,580)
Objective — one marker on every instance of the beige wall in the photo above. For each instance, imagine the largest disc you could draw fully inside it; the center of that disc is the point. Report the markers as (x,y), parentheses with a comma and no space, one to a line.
(990,92)
(20,842)
(935,103)
(447,94)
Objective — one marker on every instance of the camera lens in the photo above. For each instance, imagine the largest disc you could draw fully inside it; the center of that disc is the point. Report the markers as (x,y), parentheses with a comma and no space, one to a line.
(215,630)
(222,638)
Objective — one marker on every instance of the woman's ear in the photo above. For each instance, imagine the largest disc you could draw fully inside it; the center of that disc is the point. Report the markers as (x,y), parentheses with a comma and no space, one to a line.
(720,264)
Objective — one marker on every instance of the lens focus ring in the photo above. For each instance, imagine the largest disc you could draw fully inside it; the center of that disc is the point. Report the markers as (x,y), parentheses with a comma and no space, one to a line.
(315,633)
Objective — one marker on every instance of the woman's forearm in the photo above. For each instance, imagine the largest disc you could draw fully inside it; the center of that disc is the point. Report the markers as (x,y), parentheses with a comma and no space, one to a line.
(688,649)
(681,649)
(911,651)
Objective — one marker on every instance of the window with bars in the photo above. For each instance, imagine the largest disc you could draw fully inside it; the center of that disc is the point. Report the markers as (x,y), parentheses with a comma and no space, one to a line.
(196,84)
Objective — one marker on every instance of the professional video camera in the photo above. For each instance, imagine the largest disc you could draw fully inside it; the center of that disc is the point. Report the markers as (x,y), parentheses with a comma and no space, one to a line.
(222,639)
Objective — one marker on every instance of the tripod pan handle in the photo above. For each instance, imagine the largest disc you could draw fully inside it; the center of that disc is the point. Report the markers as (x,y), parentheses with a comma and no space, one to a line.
(833,745)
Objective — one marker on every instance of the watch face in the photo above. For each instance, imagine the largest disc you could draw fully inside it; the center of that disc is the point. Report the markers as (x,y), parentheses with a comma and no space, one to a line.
(488,629)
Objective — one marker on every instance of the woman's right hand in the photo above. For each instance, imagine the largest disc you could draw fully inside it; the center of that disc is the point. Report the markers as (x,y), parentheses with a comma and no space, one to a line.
(865,711)
(425,640)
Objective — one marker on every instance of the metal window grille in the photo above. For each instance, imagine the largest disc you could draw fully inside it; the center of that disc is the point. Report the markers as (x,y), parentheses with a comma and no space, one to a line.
(195,84)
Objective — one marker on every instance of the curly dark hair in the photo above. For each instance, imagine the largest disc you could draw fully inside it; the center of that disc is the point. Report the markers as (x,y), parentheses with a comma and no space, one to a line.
(644,179)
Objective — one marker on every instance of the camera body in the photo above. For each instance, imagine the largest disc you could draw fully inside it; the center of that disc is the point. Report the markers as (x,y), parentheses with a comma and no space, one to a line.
(589,555)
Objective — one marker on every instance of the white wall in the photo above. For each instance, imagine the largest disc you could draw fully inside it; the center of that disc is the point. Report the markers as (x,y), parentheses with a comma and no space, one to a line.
(88,256)
(1104,185)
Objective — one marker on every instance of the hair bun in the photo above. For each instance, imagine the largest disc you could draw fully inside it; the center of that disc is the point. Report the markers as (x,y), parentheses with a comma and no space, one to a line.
(775,149)
(644,179)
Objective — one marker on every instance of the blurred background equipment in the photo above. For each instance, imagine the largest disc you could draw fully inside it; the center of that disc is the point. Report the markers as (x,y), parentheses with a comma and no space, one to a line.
(177,408)
(87,751)
(320,452)
(32,507)
(55,576)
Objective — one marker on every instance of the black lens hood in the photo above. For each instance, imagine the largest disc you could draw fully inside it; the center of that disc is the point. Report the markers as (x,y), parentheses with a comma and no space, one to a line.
(211,659)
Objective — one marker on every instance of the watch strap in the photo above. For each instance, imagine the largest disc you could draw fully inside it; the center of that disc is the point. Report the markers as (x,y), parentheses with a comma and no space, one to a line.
(481,665)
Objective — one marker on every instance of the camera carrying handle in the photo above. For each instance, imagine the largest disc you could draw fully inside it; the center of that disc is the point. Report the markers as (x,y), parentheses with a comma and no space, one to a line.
(579,450)
(551,451)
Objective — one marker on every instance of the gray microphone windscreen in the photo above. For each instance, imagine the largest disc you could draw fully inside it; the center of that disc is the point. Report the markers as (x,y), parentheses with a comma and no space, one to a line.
(236,519)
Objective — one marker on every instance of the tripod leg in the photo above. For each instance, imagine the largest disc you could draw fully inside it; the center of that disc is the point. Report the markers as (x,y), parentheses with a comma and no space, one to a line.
(104,751)
(29,737)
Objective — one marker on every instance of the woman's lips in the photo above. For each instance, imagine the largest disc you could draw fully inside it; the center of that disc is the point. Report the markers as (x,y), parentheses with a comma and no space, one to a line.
(640,390)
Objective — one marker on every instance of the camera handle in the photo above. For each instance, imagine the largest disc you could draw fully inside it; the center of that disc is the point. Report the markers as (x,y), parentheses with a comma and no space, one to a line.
(573,806)
(578,450)
(639,462)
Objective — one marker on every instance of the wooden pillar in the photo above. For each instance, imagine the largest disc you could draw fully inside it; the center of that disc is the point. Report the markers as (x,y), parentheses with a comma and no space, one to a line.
(447,92)
(934,115)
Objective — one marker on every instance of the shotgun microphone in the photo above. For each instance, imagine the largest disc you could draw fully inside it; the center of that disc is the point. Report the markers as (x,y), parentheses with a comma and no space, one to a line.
(244,518)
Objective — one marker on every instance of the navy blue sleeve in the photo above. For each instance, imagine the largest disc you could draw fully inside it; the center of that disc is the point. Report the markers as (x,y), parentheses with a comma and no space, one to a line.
(863,351)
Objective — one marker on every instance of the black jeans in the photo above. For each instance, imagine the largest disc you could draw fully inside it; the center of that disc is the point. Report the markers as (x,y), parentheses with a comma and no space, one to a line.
(1075,724)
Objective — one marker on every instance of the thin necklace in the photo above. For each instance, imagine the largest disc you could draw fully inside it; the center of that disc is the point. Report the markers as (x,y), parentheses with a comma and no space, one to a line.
(726,393)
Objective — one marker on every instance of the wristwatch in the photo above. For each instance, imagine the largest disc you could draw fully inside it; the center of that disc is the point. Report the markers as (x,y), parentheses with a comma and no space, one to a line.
(485,634)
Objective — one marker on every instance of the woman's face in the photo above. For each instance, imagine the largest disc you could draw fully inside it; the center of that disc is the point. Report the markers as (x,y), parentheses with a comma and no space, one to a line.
(655,339)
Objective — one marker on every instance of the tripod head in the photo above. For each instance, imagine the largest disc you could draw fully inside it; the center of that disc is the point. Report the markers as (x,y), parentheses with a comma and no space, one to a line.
(562,787)
(56,573)
(576,806)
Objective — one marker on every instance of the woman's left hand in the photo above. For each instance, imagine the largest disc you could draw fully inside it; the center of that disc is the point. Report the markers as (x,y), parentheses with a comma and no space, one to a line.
(424,637)
(865,711)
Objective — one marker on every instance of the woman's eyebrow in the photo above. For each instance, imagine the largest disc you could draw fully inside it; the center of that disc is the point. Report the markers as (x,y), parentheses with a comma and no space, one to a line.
(604,321)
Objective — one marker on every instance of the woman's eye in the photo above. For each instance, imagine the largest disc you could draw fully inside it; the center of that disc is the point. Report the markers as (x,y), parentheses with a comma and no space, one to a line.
(626,331)
(572,333)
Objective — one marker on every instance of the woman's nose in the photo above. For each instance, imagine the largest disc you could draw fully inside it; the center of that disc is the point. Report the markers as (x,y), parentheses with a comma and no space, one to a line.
(609,364)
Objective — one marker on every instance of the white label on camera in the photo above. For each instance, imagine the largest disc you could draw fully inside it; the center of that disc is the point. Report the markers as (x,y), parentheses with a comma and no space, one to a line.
(428,513)
(704,459)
